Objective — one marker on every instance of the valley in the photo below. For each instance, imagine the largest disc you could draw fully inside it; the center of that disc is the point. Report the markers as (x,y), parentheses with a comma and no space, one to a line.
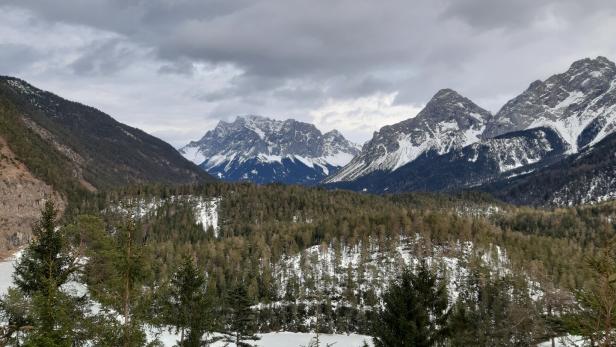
(493,230)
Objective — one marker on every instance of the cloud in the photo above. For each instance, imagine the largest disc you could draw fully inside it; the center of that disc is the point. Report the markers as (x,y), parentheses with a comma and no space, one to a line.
(17,56)
(183,65)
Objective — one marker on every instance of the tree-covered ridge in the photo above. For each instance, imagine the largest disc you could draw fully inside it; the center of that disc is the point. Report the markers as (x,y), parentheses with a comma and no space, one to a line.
(310,260)
(44,161)
(76,147)
(279,239)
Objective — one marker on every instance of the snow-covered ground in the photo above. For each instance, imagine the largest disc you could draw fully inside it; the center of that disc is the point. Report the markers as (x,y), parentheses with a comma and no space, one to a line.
(6,272)
(277,339)
(565,341)
(372,268)
(287,339)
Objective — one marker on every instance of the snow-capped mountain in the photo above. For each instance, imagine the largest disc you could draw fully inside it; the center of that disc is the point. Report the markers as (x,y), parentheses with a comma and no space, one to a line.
(453,144)
(480,163)
(448,122)
(265,150)
(579,104)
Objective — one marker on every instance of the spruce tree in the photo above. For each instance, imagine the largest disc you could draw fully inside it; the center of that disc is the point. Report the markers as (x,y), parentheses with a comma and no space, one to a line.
(240,317)
(596,318)
(132,273)
(189,308)
(54,316)
(117,274)
(414,311)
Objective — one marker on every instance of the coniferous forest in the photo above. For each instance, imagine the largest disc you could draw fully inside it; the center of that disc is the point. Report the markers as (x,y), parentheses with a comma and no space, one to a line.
(223,262)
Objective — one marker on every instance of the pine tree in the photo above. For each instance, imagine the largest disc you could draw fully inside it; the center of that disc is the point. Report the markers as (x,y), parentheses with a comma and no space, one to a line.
(14,311)
(596,319)
(116,276)
(46,263)
(189,306)
(132,272)
(56,318)
(494,310)
(414,311)
(240,317)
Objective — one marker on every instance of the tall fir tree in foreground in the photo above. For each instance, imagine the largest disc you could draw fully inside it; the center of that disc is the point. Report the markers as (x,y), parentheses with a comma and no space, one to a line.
(240,319)
(38,307)
(414,311)
(596,317)
(188,307)
(117,274)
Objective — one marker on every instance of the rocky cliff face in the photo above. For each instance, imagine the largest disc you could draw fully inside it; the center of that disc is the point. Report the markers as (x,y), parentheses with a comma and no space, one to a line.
(22,197)
(580,104)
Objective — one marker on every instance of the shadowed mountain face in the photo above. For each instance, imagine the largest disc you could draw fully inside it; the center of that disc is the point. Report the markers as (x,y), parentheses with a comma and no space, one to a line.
(73,146)
(264,150)
(585,177)
(55,149)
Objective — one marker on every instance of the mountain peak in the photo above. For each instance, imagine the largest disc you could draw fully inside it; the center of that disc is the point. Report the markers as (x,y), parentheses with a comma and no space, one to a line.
(598,63)
(446,93)
(578,104)
(449,105)
(448,121)
(234,150)
(450,98)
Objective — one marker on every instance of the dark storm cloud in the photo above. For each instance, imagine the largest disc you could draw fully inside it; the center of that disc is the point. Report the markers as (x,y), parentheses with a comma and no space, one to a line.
(293,56)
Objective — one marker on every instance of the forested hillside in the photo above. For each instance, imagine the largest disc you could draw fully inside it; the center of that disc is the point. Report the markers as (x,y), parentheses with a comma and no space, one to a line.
(312,260)
(52,148)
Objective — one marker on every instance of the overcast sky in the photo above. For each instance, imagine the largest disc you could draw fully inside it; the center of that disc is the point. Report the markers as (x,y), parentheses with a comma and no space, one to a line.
(175,68)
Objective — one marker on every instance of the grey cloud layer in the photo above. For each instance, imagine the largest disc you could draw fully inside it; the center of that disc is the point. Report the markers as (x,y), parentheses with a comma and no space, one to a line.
(289,57)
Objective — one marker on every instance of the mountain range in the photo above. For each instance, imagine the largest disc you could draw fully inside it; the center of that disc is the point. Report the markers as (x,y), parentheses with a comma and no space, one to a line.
(264,150)
(453,144)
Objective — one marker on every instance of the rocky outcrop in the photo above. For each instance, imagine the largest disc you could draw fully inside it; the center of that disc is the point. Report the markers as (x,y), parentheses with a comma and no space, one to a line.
(22,197)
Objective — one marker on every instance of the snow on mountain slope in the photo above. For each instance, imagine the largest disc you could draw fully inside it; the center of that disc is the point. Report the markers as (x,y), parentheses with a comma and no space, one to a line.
(264,150)
(580,104)
(471,166)
(449,121)
(443,149)
(585,177)
(517,149)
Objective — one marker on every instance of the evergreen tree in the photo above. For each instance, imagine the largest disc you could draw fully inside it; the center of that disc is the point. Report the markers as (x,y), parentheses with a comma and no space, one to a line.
(596,319)
(47,263)
(15,313)
(414,311)
(240,317)
(117,274)
(53,317)
(189,309)
(132,273)
(495,310)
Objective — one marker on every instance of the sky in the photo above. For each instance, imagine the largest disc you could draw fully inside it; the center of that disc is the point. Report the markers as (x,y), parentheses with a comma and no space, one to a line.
(175,68)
